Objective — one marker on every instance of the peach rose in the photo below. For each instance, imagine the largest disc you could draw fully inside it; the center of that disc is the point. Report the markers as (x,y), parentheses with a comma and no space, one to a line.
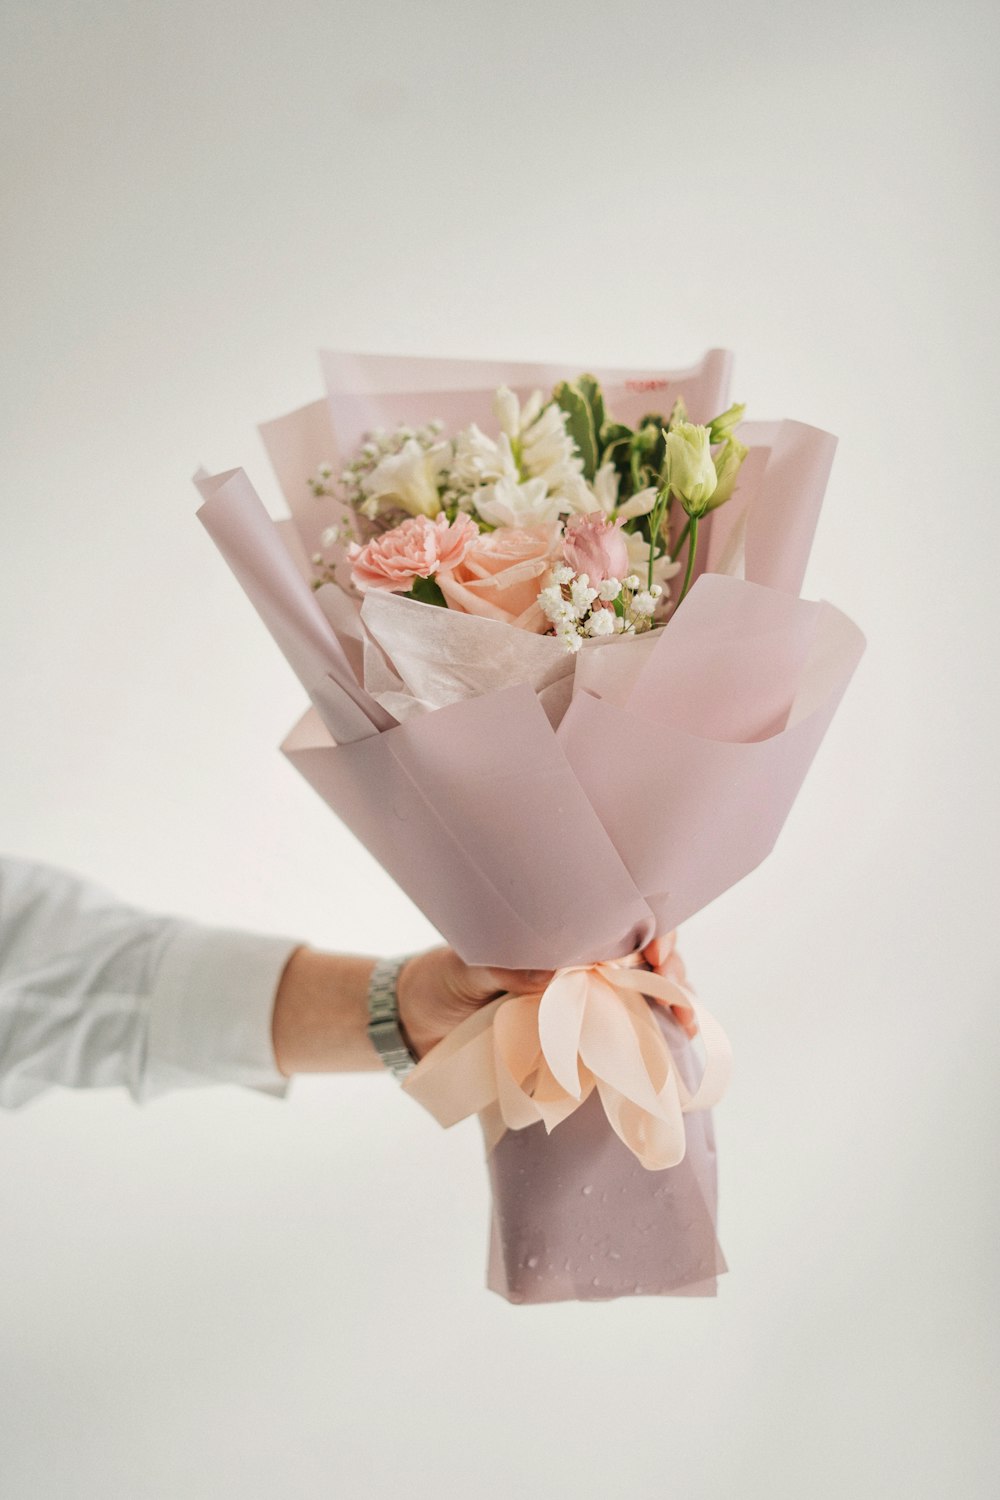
(417,548)
(501,574)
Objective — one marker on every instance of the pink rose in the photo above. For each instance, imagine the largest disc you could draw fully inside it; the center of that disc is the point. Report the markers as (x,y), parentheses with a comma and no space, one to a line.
(501,574)
(417,548)
(595,546)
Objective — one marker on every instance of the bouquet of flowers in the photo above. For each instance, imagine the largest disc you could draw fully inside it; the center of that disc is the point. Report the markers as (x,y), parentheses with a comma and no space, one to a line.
(564,689)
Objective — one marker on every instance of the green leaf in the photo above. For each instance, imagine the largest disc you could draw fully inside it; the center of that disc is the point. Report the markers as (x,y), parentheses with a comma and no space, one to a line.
(426,590)
(579,424)
(594,397)
(619,453)
(613,432)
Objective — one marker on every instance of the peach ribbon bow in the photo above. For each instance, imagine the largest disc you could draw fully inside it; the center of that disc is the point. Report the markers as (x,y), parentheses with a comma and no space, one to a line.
(538,1056)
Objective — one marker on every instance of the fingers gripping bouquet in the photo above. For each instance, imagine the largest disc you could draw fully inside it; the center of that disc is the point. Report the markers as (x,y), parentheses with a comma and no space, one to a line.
(564,689)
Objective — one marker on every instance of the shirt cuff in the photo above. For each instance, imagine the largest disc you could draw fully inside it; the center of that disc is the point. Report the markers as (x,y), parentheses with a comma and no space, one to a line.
(210,1010)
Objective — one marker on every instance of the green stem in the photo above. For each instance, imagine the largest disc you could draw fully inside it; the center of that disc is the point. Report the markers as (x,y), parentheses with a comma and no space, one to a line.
(655,523)
(692,551)
(682,538)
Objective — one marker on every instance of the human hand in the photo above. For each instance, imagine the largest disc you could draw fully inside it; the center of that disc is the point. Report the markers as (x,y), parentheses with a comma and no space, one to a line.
(662,956)
(436,991)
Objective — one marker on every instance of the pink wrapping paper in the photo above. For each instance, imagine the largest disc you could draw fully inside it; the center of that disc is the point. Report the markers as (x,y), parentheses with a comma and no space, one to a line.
(540,829)
(575,1217)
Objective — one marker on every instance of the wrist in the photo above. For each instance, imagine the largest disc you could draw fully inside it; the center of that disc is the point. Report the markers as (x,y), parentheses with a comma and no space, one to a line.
(415,1031)
(320,1017)
(385,1029)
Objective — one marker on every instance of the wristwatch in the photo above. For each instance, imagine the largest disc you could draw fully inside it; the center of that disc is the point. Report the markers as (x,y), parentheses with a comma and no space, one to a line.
(383,1017)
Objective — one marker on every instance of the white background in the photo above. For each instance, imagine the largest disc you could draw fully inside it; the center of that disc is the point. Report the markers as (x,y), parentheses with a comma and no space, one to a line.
(224,1295)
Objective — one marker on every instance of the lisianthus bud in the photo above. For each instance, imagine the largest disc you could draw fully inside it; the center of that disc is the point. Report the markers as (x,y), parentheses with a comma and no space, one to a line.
(596,546)
(721,427)
(727,470)
(690,470)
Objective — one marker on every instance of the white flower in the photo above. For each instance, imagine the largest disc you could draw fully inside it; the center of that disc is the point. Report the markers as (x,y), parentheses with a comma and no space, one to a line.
(508,503)
(582,595)
(570,637)
(638,555)
(605,494)
(562,574)
(543,448)
(554,607)
(601,622)
(407,480)
(533,451)
(690,469)
(507,410)
(605,489)
(480,460)
(643,603)
(641,504)
(609,589)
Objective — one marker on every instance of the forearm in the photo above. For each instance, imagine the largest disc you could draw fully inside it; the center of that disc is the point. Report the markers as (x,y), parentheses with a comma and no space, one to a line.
(320,1022)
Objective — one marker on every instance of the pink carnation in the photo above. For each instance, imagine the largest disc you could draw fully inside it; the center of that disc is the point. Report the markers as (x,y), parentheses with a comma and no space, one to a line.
(595,546)
(417,548)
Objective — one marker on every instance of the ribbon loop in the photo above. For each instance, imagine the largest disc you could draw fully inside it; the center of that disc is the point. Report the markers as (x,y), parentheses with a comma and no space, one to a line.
(538,1056)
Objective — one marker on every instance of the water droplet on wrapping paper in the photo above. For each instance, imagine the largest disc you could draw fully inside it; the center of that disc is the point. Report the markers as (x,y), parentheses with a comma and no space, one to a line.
(532,1261)
(596,1281)
(614,1255)
(586,1191)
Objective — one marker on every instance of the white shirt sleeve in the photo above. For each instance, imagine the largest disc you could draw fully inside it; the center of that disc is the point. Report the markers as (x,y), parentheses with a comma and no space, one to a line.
(94,993)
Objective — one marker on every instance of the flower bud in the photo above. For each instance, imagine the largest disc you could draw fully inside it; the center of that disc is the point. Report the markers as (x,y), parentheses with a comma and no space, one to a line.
(727,470)
(690,470)
(678,413)
(721,427)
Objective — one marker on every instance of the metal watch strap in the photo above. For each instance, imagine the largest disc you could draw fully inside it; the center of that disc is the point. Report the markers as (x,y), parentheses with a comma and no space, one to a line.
(383,1017)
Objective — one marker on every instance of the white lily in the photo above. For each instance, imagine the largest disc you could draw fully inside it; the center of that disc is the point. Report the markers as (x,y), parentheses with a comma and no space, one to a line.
(407,480)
